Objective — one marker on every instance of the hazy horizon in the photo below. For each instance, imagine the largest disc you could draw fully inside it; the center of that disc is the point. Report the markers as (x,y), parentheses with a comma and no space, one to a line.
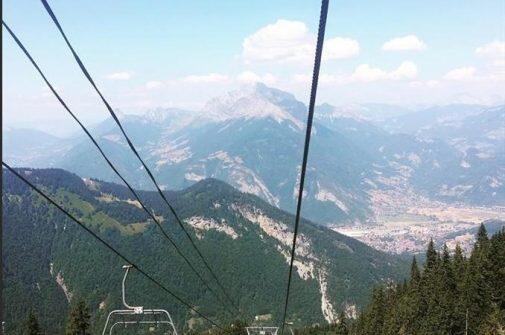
(67,128)
(408,60)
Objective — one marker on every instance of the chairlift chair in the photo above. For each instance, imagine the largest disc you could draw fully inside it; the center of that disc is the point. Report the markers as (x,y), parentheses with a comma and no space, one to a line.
(258,330)
(128,315)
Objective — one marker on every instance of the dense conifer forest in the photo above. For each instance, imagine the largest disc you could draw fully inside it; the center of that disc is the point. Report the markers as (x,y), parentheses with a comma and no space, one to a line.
(451,294)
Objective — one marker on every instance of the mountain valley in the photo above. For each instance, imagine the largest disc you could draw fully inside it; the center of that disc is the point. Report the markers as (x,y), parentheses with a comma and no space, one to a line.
(371,167)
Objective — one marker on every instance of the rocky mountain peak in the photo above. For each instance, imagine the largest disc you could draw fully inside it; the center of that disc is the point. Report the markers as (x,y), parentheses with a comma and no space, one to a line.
(254,101)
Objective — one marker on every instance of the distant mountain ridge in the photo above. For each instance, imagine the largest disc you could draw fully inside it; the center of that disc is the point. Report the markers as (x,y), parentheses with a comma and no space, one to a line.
(252,139)
(49,261)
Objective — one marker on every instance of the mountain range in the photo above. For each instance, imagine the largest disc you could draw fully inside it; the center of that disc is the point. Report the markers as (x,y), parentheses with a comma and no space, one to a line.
(361,156)
(49,262)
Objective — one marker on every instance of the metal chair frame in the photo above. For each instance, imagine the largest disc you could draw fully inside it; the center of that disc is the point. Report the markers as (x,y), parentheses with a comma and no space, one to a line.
(262,330)
(137,310)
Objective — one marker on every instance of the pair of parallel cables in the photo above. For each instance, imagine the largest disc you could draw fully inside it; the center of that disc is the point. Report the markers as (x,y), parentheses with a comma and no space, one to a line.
(134,150)
(315,78)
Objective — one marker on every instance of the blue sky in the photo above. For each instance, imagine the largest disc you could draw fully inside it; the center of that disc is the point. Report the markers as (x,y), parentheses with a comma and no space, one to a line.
(181,53)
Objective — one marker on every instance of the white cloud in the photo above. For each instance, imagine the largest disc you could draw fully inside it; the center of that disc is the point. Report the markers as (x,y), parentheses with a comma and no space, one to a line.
(366,73)
(340,48)
(282,40)
(325,78)
(427,83)
(409,42)
(287,40)
(119,76)
(494,51)
(154,84)
(207,78)
(248,77)
(406,70)
(462,73)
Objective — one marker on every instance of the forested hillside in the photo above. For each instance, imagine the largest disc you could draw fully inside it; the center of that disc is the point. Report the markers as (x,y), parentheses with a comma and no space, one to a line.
(50,262)
(451,294)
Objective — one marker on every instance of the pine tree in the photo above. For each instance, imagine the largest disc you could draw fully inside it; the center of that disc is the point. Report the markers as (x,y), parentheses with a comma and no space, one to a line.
(496,269)
(415,275)
(431,256)
(459,261)
(477,290)
(374,320)
(482,238)
(78,323)
(405,315)
(430,292)
(32,325)
(447,288)
(459,269)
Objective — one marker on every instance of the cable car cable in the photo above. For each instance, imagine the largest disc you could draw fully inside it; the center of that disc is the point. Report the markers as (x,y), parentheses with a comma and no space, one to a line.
(132,147)
(313,92)
(108,246)
(152,216)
